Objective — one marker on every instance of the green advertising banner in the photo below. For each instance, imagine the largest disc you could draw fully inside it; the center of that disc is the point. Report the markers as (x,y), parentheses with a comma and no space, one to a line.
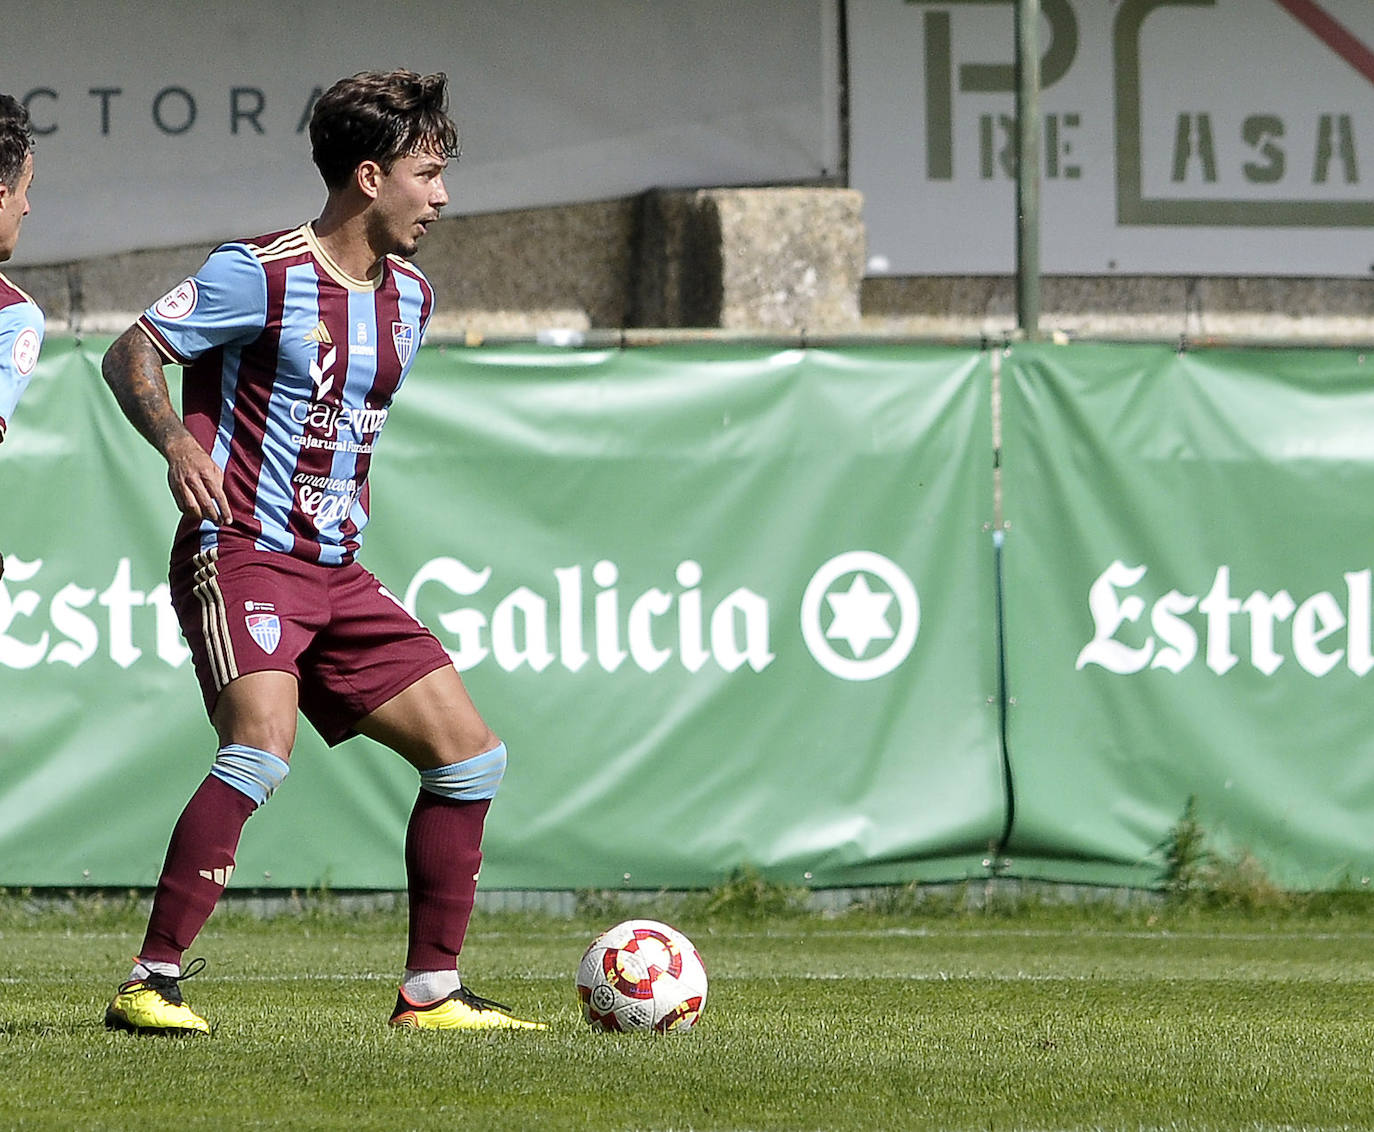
(1188,600)
(727,606)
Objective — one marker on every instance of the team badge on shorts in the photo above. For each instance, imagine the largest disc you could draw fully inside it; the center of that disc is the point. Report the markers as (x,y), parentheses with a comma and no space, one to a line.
(403,336)
(265,628)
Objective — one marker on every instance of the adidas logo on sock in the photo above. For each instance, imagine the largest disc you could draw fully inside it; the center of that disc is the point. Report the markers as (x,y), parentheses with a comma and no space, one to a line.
(219,876)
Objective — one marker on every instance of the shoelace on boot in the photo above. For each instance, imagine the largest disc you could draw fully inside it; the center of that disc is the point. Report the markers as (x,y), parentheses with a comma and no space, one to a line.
(477,1002)
(167,985)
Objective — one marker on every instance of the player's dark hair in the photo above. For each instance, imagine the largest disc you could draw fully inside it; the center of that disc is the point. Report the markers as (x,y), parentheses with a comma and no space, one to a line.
(16,139)
(382,117)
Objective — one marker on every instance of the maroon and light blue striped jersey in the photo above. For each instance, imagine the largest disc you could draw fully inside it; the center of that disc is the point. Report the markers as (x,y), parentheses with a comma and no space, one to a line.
(290,369)
(21,337)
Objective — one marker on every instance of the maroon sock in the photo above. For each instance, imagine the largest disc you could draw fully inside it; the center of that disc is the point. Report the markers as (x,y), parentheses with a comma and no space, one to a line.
(443,854)
(200,858)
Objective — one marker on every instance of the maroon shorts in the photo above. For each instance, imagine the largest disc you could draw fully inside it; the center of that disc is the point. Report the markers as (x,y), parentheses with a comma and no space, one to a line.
(350,644)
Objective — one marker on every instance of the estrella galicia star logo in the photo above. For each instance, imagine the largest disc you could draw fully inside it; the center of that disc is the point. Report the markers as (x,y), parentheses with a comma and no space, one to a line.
(866,602)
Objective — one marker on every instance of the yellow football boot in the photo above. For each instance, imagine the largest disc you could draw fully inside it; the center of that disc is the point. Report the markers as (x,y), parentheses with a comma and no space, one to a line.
(462,1010)
(154,1006)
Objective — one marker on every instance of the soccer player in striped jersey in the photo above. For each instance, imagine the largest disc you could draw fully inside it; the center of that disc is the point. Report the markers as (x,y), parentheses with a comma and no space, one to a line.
(21,322)
(293,345)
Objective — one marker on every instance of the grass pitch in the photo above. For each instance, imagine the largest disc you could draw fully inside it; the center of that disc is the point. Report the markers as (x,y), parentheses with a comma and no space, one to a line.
(1034,1018)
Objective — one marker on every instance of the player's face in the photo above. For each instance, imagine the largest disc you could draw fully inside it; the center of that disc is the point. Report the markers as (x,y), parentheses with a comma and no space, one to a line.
(408,202)
(14,206)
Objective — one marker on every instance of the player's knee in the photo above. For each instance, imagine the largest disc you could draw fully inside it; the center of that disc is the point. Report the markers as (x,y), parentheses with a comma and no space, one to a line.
(249,770)
(471,780)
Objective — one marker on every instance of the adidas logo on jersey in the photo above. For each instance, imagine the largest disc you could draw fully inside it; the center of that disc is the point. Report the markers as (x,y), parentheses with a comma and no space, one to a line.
(320,334)
(219,876)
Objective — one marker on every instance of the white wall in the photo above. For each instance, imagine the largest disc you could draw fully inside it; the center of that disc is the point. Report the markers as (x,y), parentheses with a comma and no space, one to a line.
(169,124)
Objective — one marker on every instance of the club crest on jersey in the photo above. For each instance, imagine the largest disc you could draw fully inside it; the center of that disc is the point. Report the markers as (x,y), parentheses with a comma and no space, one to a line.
(403,335)
(265,628)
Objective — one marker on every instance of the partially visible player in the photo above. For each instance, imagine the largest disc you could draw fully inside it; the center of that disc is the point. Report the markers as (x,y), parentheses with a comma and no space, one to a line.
(21,322)
(292,347)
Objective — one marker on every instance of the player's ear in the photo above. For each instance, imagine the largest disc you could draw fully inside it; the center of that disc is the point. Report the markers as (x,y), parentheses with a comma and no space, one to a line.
(368,177)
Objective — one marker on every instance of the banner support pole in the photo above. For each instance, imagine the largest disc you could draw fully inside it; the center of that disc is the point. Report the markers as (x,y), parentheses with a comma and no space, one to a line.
(1028,168)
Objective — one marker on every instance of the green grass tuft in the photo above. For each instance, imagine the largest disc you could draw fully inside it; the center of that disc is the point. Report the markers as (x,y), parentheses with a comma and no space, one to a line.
(1201,872)
(747,894)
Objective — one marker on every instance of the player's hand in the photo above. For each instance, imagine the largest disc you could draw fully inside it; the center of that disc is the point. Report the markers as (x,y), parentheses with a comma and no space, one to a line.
(197,482)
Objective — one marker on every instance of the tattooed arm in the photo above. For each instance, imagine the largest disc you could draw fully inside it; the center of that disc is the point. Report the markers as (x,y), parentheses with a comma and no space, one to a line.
(132,368)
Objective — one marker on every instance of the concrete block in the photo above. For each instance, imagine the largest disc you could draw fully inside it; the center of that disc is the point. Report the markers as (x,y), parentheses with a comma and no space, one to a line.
(782,260)
(522,271)
(1168,308)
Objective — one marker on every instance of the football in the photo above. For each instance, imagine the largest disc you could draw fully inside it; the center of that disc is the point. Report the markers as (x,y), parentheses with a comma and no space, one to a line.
(642,975)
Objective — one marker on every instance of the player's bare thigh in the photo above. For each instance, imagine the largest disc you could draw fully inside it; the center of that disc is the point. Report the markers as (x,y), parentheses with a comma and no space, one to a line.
(258,710)
(432,723)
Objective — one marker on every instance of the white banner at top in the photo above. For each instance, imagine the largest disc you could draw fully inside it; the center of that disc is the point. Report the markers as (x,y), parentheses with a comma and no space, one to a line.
(161,125)
(1178,136)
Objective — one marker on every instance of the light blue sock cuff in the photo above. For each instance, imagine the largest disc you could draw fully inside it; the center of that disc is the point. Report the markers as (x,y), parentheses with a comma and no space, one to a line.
(250,771)
(470,780)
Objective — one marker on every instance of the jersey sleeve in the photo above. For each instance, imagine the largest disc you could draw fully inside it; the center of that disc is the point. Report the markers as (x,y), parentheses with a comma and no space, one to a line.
(21,338)
(224,302)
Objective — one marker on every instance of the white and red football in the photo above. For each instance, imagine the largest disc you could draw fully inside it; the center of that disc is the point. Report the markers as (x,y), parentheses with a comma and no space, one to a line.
(642,975)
